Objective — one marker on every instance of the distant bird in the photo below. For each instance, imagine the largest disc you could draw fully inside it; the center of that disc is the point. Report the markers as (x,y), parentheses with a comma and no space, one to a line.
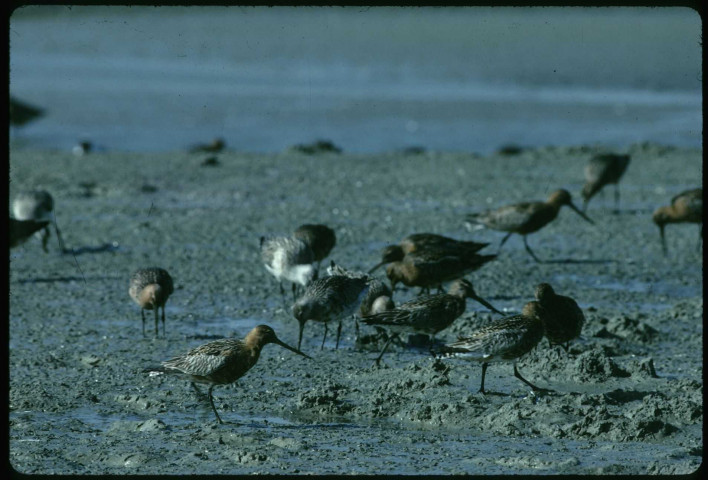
(215,146)
(562,317)
(222,361)
(328,299)
(22,113)
(21,230)
(82,148)
(686,207)
(526,217)
(320,238)
(150,288)
(431,245)
(602,170)
(428,315)
(425,271)
(505,340)
(37,205)
(288,258)
(317,147)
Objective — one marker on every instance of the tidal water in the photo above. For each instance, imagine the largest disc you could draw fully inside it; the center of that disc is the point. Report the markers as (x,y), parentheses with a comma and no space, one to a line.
(368,79)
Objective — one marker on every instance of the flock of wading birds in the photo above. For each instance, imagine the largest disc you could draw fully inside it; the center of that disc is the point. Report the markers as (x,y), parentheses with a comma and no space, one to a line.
(420,260)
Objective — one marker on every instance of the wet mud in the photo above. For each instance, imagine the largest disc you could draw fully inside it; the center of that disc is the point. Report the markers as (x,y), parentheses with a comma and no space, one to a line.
(627,397)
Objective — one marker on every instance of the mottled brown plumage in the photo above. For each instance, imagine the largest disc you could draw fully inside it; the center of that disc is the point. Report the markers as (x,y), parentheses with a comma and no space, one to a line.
(686,207)
(505,340)
(222,361)
(150,288)
(421,270)
(429,244)
(427,314)
(562,317)
(526,217)
(602,170)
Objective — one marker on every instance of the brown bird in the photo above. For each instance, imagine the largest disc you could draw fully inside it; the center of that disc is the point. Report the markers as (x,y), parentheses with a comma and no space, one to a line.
(428,315)
(432,245)
(505,340)
(602,170)
(686,207)
(320,238)
(562,317)
(425,271)
(150,288)
(526,217)
(21,230)
(222,361)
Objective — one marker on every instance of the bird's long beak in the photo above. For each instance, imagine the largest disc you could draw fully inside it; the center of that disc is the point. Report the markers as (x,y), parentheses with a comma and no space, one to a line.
(663,239)
(378,265)
(576,210)
(292,349)
(486,304)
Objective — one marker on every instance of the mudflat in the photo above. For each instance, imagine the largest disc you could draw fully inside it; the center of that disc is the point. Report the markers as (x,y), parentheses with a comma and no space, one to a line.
(628,396)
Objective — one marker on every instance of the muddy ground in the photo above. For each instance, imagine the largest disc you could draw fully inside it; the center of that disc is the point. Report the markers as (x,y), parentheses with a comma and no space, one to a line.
(628,396)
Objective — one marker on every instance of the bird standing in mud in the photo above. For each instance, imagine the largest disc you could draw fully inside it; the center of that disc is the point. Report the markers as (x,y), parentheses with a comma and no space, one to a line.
(429,244)
(428,315)
(330,298)
(288,258)
(37,205)
(602,170)
(526,217)
(22,230)
(378,295)
(505,340)
(150,288)
(686,207)
(222,361)
(431,270)
(320,238)
(562,317)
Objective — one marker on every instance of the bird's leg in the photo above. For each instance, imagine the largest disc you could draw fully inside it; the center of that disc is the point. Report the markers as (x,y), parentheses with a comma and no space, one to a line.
(196,389)
(294,292)
(534,387)
(484,373)
(339,332)
(59,239)
(45,238)
(323,337)
(440,288)
(383,350)
(299,338)
(211,401)
(617,198)
(142,314)
(157,316)
(506,237)
(164,333)
(528,249)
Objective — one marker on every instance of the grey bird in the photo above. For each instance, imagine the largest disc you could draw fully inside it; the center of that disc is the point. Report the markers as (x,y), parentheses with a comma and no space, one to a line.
(37,205)
(150,288)
(328,299)
(602,170)
(288,258)
(505,340)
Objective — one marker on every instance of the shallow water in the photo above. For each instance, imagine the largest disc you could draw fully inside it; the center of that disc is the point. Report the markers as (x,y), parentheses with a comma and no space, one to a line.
(150,79)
